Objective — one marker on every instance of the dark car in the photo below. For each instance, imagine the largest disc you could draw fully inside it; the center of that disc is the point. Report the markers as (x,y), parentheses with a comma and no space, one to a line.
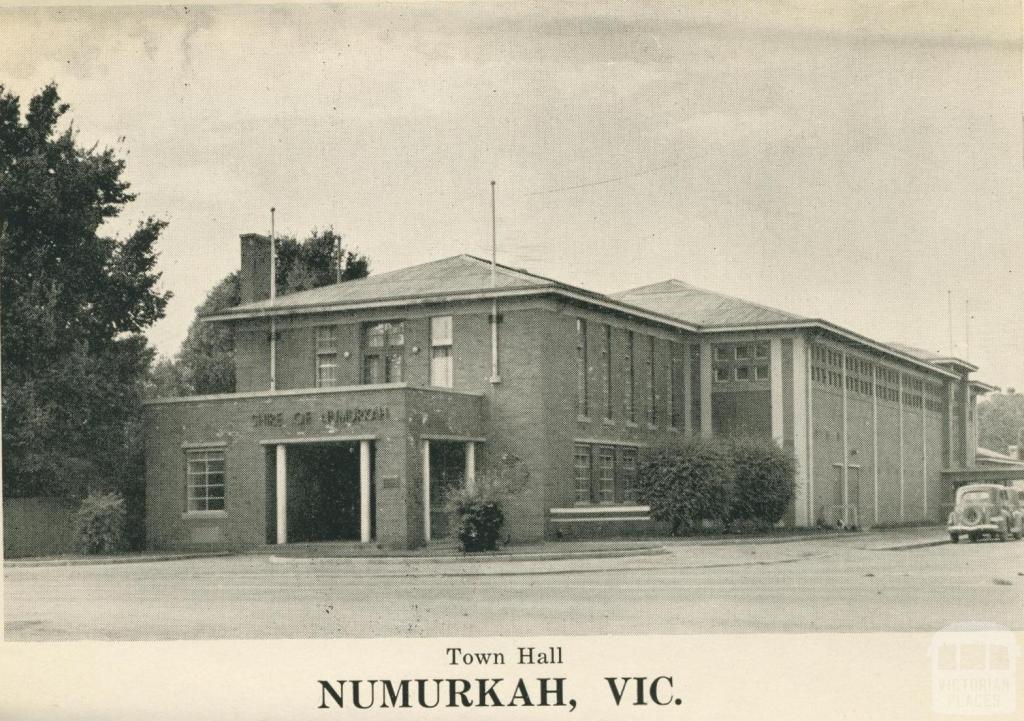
(986,509)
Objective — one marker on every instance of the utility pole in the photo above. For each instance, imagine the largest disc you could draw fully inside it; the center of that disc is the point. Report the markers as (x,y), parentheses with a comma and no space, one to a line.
(273,297)
(495,378)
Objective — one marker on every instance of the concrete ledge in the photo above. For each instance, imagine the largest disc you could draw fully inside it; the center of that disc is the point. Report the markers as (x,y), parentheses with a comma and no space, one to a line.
(110,560)
(499,557)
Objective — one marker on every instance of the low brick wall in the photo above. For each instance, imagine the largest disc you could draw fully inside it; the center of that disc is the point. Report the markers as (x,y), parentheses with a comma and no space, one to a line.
(38,526)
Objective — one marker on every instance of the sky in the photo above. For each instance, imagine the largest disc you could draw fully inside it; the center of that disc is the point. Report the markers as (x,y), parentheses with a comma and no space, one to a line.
(859,162)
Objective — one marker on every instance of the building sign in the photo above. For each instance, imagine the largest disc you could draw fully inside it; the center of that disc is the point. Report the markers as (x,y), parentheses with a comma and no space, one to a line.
(329,418)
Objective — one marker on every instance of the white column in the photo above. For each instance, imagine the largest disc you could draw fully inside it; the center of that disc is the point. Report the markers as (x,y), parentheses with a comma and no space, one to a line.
(364,491)
(426,491)
(705,390)
(800,389)
(846,451)
(775,355)
(812,516)
(901,442)
(282,492)
(470,465)
(924,447)
(874,432)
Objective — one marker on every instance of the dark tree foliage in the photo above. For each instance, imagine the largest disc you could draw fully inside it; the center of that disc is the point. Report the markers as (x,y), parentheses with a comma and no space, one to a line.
(206,362)
(74,304)
(1001,420)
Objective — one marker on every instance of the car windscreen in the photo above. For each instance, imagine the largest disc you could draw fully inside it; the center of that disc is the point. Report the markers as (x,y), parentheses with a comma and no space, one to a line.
(975,497)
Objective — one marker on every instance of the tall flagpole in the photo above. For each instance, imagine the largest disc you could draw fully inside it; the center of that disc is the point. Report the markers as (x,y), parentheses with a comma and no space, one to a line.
(273,297)
(495,378)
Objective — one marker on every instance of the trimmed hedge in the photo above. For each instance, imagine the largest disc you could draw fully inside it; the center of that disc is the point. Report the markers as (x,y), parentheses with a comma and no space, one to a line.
(762,483)
(688,486)
(100,523)
(729,483)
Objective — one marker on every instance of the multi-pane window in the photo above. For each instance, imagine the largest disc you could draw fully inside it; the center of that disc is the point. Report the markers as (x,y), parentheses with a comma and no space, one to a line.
(606,474)
(652,383)
(761,373)
(743,373)
(628,472)
(383,350)
(441,361)
(630,379)
(606,353)
(326,342)
(670,387)
(204,479)
(761,350)
(722,374)
(582,470)
(582,404)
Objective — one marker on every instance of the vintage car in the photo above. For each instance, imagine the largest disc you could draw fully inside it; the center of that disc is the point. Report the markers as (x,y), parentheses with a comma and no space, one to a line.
(986,509)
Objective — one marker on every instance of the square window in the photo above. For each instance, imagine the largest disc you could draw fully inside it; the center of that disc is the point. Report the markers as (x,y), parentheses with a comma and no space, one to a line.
(742,352)
(722,353)
(761,350)
(761,373)
(742,373)
(722,374)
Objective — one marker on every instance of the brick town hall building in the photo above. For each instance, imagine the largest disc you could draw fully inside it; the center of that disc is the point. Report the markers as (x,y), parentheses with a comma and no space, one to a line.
(358,405)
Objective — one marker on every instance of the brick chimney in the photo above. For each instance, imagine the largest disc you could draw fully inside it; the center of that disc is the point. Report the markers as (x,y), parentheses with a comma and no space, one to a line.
(254,276)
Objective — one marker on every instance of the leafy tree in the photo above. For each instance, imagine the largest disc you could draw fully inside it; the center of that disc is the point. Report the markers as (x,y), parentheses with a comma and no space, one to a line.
(1000,420)
(73,306)
(206,362)
(686,486)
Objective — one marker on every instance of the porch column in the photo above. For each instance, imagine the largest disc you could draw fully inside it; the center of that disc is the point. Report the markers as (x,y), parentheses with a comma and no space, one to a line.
(281,492)
(426,491)
(775,392)
(706,431)
(364,491)
(470,465)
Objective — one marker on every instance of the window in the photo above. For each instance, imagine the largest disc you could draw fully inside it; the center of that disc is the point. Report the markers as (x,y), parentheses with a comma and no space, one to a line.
(606,471)
(204,479)
(630,379)
(383,349)
(629,475)
(670,387)
(441,362)
(652,382)
(326,341)
(722,374)
(607,360)
(761,373)
(582,405)
(761,350)
(742,352)
(742,373)
(723,353)
(582,464)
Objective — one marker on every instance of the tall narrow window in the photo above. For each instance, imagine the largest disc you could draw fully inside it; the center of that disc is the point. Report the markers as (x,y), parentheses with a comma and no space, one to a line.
(582,405)
(204,479)
(629,494)
(652,381)
(326,356)
(606,474)
(606,352)
(582,466)
(441,361)
(630,379)
(383,350)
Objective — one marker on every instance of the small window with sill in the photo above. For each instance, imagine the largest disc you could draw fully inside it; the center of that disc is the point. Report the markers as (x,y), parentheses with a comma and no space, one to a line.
(441,360)
(204,479)
(326,342)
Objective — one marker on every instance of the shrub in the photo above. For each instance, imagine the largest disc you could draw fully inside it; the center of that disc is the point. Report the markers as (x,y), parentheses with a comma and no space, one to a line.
(763,483)
(100,523)
(478,515)
(478,520)
(687,486)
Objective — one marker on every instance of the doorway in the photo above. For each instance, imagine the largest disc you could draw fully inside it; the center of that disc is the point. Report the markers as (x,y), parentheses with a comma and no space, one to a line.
(447,475)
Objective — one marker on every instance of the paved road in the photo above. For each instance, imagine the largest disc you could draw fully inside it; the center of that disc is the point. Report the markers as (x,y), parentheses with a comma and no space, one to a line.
(840,585)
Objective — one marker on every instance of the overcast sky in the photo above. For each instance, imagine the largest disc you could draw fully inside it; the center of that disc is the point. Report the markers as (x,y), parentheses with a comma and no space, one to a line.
(851,165)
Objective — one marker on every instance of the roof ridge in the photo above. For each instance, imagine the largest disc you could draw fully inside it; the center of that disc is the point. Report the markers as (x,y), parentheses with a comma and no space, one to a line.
(715,293)
(511,269)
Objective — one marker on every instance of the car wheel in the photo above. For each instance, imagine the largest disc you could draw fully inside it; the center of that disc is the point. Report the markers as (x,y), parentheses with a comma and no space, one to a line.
(974,537)
(1004,536)
(954,537)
